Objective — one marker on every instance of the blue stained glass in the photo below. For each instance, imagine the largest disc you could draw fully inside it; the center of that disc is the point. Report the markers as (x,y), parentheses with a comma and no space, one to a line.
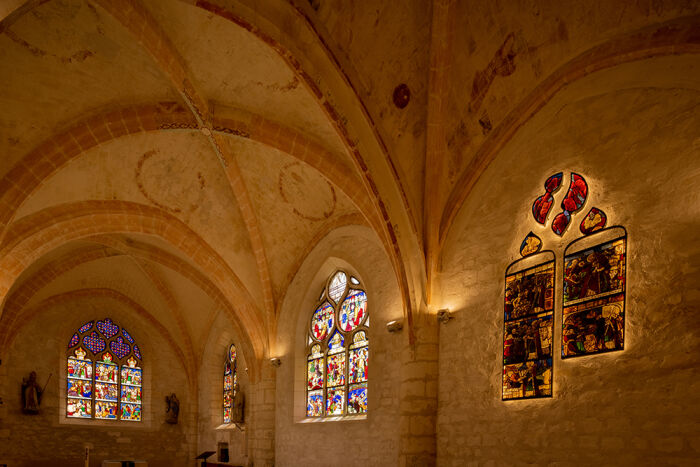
(314,404)
(106,410)
(335,401)
(137,352)
(85,327)
(79,388)
(120,348)
(127,336)
(353,310)
(357,399)
(74,340)
(107,328)
(131,412)
(105,392)
(336,342)
(94,343)
(322,321)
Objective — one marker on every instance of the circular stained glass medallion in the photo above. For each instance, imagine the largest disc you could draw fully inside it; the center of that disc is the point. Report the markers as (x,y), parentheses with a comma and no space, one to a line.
(353,310)
(322,321)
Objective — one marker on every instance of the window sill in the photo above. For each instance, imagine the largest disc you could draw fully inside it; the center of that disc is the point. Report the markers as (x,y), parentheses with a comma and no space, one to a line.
(114,424)
(339,418)
(230,426)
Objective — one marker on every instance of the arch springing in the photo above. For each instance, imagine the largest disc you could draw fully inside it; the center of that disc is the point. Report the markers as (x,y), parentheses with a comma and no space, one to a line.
(338,349)
(104,377)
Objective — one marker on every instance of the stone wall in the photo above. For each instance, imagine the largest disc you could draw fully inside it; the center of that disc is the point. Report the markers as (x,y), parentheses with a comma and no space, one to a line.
(633,407)
(48,439)
(211,430)
(372,440)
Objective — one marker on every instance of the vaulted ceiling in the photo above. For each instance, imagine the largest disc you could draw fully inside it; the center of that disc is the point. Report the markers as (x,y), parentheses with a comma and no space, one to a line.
(183,158)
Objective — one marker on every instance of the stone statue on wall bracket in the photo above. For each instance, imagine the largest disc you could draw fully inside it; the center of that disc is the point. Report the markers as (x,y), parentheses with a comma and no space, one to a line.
(172,409)
(238,405)
(31,394)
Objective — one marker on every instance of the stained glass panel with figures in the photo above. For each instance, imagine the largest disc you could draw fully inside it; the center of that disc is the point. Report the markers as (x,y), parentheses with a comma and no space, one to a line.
(352,311)
(594,299)
(527,332)
(230,383)
(338,350)
(95,386)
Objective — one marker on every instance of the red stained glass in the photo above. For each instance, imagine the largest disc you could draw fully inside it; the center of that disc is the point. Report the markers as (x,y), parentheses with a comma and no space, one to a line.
(335,401)
(359,364)
(106,410)
(527,332)
(315,374)
(314,404)
(230,381)
(79,408)
(98,391)
(572,202)
(131,412)
(322,321)
(338,350)
(353,310)
(336,370)
(543,204)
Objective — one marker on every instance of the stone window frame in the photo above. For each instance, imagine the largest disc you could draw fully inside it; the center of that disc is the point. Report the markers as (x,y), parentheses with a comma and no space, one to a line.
(306,317)
(147,416)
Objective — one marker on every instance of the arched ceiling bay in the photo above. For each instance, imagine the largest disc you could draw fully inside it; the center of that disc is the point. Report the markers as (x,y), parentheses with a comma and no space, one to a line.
(624,155)
(352,31)
(293,203)
(506,49)
(175,171)
(59,61)
(233,67)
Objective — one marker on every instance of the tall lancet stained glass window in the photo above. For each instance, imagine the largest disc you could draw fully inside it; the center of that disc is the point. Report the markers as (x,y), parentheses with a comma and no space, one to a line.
(527,327)
(230,382)
(338,350)
(104,374)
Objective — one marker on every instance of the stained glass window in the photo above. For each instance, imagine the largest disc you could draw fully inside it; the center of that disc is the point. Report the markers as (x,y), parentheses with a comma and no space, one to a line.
(543,204)
(104,377)
(594,294)
(572,202)
(230,382)
(527,328)
(338,350)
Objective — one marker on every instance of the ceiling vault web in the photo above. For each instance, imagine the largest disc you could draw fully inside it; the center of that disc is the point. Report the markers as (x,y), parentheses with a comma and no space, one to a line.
(136,18)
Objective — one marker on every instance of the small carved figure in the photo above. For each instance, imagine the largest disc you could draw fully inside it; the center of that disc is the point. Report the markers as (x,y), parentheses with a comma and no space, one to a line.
(172,408)
(31,394)
(238,404)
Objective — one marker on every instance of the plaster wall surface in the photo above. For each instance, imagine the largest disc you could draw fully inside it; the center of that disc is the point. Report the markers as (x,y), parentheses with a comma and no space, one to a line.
(197,169)
(210,427)
(371,440)
(49,439)
(632,407)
